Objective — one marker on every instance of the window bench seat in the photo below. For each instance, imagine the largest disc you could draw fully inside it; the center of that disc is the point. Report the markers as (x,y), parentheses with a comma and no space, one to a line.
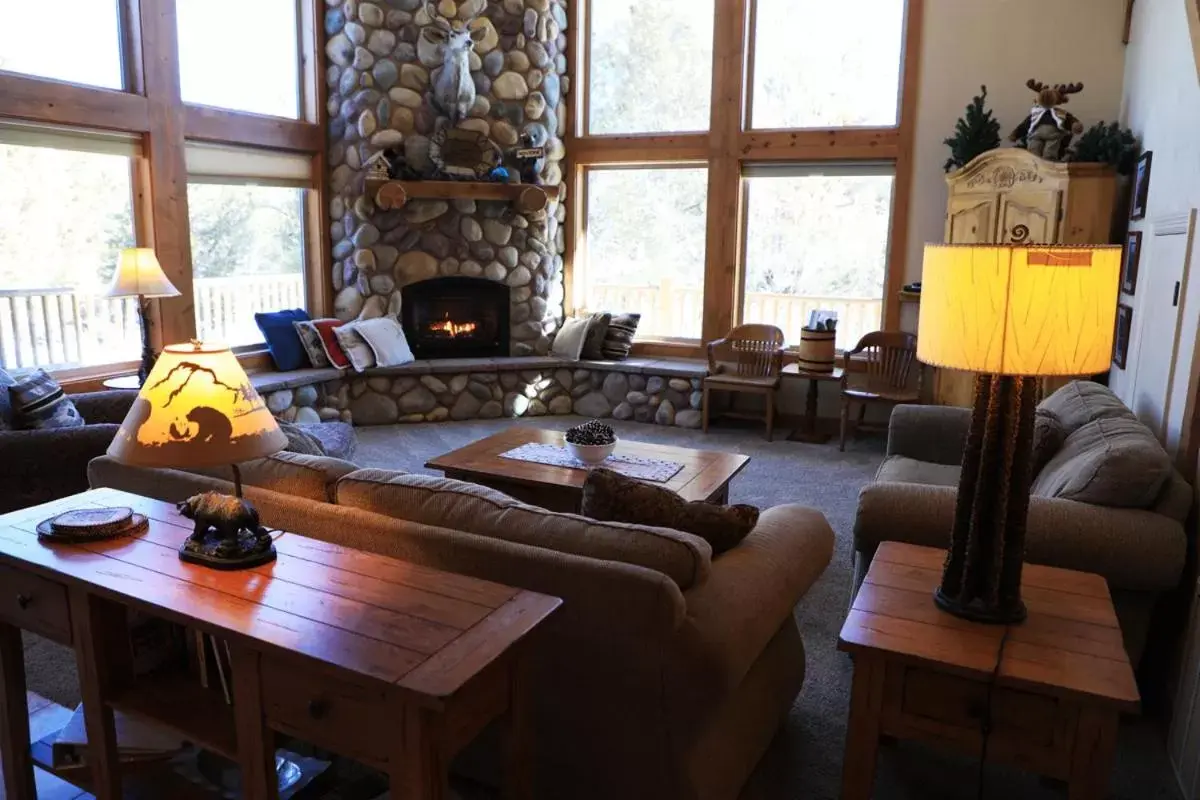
(657,390)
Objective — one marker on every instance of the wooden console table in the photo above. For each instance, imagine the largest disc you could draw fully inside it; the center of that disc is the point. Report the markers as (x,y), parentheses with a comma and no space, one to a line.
(1060,679)
(395,665)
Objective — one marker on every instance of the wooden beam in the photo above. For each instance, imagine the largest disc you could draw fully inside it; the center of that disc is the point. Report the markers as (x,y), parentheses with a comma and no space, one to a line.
(723,239)
(572,186)
(843,144)
(902,188)
(164,154)
(637,150)
(208,124)
(58,103)
(319,255)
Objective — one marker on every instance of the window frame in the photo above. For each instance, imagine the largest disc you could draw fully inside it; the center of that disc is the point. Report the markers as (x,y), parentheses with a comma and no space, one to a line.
(150,107)
(728,147)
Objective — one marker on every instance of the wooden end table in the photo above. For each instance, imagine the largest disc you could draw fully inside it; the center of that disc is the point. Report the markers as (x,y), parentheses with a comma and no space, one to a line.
(705,475)
(920,673)
(395,665)
(809,433)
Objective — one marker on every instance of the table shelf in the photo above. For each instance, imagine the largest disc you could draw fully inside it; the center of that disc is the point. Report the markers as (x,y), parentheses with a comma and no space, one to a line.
(176,701)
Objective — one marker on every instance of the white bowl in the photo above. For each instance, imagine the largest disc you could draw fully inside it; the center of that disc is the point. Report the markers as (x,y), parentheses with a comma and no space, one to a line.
(591,454)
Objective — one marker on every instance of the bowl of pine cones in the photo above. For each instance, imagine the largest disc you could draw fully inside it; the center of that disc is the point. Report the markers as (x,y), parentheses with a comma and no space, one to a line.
(591,442)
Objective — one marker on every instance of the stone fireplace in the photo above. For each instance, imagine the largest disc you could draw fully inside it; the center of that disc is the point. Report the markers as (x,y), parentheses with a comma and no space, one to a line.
(456,317)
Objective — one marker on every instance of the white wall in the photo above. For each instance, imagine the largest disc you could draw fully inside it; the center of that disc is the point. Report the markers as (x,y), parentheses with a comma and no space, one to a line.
(1162,105)
(1004,43)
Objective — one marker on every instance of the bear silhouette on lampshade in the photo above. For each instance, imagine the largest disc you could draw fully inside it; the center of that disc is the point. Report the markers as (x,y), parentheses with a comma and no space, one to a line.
(198,408)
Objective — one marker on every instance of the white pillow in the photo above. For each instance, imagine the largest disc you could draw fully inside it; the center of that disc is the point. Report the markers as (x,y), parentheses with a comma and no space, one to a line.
(361,356)
(387,341)
(568,343)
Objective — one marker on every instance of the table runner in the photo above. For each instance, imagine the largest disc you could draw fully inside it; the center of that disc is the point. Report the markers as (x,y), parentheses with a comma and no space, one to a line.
(646,469)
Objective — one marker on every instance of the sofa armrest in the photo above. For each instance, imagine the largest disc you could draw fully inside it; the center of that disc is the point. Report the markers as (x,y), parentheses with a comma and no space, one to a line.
(752,590)
(104,407)
(43,465)
(1132,549)
(936,434)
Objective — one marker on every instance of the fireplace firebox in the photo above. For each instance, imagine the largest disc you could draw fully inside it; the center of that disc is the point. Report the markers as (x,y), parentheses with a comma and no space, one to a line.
(456,317)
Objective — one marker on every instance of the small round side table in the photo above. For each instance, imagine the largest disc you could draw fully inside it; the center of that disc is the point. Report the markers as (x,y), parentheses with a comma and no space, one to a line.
(123,382)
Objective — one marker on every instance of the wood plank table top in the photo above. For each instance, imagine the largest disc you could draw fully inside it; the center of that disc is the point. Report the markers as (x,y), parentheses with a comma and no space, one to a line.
(424,631)
(1070,645)
(705,472)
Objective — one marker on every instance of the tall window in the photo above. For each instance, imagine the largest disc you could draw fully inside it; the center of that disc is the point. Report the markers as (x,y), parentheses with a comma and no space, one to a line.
(817,238)
(65,214)
(819,64)
(78,41)
(651,66)
(261,76)
(645,248)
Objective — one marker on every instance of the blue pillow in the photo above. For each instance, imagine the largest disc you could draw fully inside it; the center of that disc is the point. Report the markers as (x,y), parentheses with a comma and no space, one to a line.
(282,340)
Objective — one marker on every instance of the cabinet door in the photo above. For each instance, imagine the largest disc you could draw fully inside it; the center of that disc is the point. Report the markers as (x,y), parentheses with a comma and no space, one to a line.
(971,219)
(1029,217)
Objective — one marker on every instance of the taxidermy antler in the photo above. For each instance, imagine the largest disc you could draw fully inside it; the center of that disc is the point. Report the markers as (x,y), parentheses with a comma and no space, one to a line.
(453,88)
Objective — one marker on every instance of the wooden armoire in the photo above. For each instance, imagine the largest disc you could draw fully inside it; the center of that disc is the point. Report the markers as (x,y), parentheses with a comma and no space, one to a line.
(1012,196)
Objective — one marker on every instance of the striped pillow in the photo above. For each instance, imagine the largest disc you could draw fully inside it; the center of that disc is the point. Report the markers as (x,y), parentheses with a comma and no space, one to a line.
(39,402)
(619,338)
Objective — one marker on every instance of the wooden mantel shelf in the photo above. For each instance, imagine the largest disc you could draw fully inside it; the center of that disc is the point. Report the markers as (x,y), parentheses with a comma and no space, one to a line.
(526,197)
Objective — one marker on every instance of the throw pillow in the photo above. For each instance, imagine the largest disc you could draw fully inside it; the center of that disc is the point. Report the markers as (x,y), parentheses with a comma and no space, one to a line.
(610,496)
(325,328)
(6,410)
(282,339)
(386,339)
(568,343)
(360,354)
(619,338)
(593,345)
(38,403)
(1048,437)
(300,440)
(310,340)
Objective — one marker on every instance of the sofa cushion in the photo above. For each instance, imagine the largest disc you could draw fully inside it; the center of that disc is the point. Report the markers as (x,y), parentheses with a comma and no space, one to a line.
(902,469)
(312,477)
(6,412)
(39,403)
(447,503)
(612,497)
(1081,402)
(1048,437)
(282,340)
(1107,462)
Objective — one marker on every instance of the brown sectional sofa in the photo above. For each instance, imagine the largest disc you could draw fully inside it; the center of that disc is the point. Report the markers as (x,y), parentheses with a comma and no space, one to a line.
(666,672)
(1107,502)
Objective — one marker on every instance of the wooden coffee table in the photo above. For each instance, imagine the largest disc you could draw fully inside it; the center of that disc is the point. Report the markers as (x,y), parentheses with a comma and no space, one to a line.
(705,475)
(920,673)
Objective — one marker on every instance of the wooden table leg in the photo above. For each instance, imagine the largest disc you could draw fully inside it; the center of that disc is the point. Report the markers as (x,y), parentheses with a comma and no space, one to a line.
(14,718)
(255,741)
(862,735)
(419,771)
(1092,754)
(808,432)
(96,625)
(518,777)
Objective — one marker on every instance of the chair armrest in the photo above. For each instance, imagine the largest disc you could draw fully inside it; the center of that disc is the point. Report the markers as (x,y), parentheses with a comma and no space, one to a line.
(711,350)
(1132,549)
(104,407)
(44,465)
(937,434)
(752,590)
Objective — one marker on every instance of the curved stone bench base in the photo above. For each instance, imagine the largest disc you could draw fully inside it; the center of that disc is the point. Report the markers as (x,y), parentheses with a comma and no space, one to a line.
(660,391)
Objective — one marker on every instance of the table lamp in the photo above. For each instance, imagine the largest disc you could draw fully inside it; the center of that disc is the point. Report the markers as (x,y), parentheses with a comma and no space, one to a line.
(139,273)
(197,408)
(1011,314)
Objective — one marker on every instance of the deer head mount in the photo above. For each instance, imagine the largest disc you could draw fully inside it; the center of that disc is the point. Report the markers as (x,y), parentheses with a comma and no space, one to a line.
(453,88)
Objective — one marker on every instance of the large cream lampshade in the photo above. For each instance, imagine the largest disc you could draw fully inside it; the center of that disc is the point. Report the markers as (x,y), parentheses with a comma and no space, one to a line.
(197,408)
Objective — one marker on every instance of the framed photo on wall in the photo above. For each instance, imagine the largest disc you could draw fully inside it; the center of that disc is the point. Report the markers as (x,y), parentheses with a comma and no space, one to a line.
(1121,339)
(1141,186)
(1129,268)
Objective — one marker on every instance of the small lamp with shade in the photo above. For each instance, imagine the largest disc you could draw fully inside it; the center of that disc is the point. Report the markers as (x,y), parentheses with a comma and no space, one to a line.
(139,274)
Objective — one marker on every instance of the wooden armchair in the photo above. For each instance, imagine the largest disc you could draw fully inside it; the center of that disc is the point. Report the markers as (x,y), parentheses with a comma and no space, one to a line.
(749,359)
(888,360)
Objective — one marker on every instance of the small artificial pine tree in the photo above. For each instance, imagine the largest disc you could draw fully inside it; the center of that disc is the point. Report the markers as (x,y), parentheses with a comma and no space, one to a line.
(1108,144)
(976,132)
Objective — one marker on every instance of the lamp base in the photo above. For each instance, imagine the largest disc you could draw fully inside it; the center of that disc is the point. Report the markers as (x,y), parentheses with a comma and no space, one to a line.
(977,612)
(250,548)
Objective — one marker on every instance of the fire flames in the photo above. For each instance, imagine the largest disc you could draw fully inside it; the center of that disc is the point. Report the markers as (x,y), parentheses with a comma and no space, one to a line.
(451,328)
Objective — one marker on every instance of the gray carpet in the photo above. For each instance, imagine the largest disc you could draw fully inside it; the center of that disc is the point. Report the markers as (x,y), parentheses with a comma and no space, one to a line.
(805,760)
